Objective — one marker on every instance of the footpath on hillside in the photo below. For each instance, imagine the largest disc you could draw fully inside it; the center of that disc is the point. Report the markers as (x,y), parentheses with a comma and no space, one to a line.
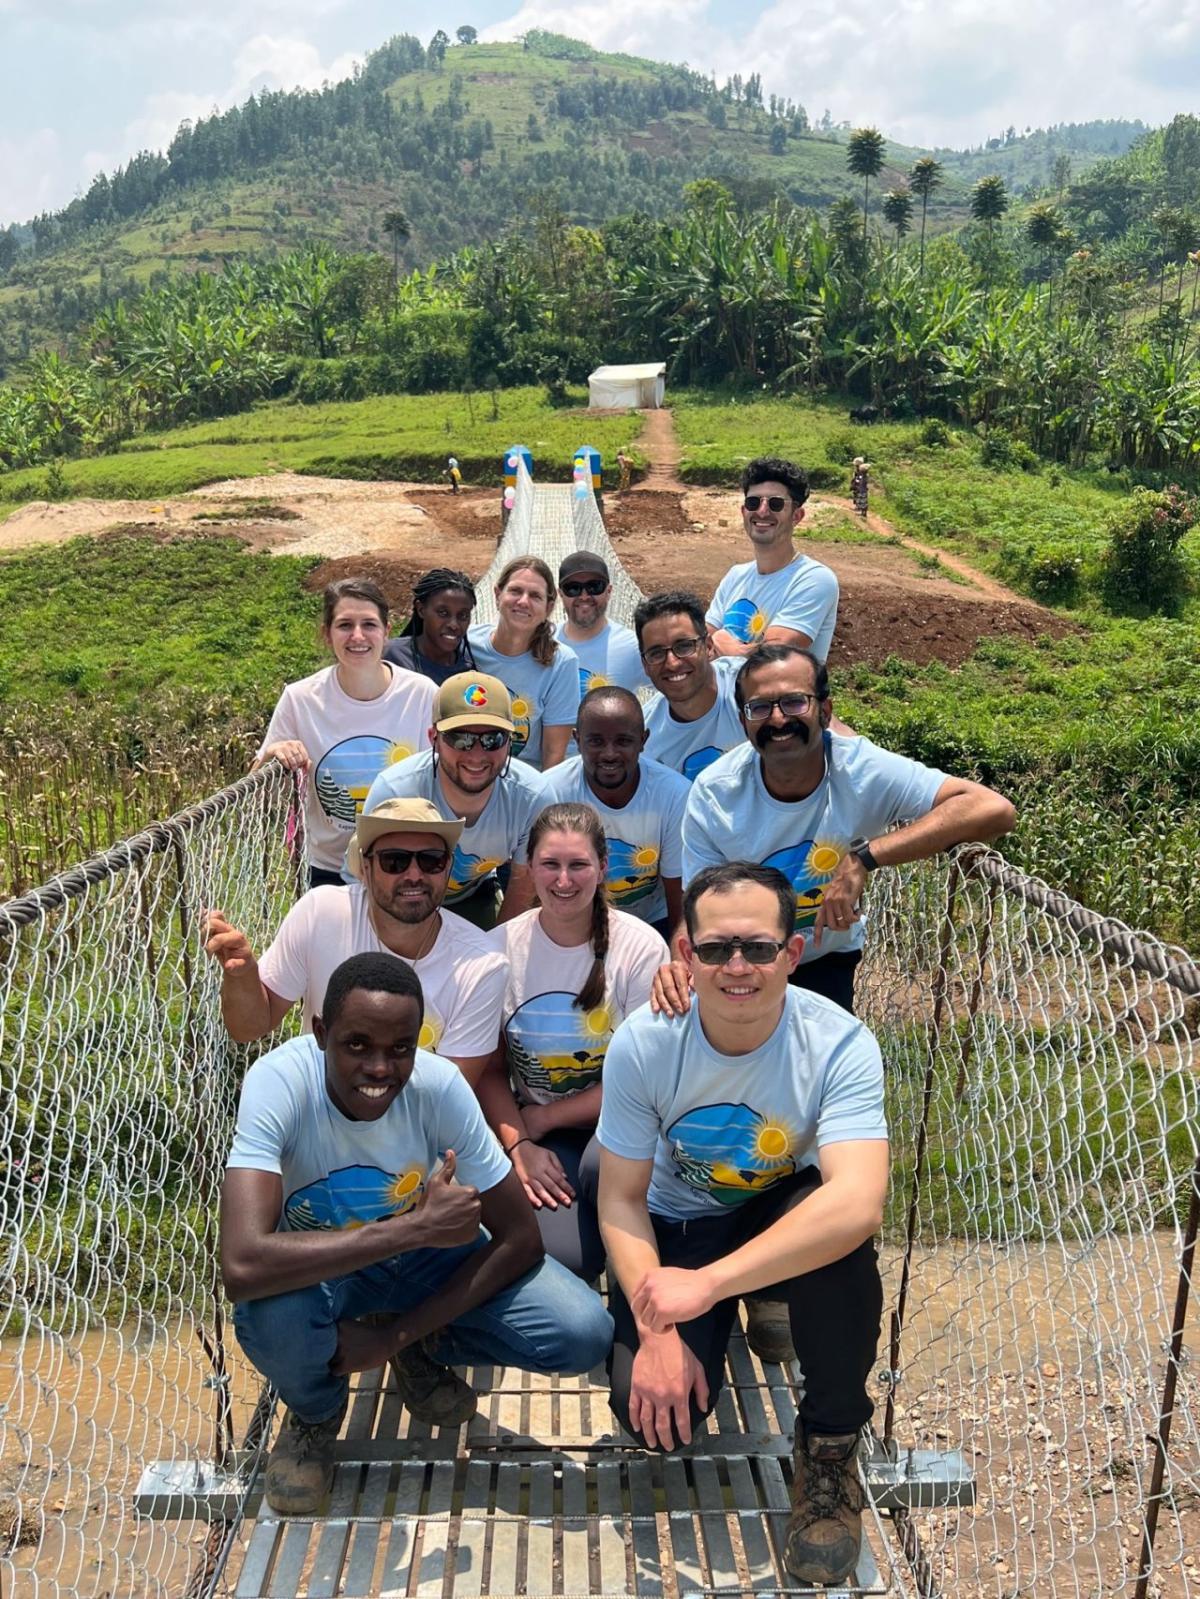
(898,597)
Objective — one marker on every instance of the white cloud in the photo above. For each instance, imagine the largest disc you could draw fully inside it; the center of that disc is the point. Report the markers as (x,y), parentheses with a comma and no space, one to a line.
(32,169)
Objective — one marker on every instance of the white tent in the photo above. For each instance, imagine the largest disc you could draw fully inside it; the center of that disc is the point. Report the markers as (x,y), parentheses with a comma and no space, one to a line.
(614,388)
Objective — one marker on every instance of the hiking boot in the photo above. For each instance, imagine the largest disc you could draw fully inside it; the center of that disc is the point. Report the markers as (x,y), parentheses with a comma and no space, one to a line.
(433,1393)
(300,1470)
(824,1530)
(768,1330)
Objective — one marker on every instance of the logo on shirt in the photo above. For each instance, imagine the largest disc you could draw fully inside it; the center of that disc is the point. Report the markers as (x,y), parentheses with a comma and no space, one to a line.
(432,1028)
(632,872)
(344,774)
(352,1197)
(466,871)
(590,680)
(521,717)
(745,621)
(475,695)
(730,1151)
(808,866)
(695,763)
(554,1047)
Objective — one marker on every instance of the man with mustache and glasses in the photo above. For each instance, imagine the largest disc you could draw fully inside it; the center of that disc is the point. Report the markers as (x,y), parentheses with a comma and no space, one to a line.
(781,596)
(468,772)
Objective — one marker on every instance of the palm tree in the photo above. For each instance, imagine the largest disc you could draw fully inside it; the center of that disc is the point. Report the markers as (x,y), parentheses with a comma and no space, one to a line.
(1043,229)
(898,209)
(989,202)
(396,225)
(925,177)
(864,156)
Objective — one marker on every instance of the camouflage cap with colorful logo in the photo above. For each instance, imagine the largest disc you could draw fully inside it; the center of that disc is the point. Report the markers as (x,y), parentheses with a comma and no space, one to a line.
(472,699)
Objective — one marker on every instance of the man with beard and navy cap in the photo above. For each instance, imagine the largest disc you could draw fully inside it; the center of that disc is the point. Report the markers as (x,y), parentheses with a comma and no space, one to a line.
(606,651)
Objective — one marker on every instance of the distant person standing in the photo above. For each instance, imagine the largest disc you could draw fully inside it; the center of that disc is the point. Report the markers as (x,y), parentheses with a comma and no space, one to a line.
(780,597)
(453,476)
(625,467)
(860,485)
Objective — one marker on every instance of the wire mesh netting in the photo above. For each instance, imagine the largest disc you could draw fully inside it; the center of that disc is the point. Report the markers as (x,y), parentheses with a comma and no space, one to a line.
(117,1091)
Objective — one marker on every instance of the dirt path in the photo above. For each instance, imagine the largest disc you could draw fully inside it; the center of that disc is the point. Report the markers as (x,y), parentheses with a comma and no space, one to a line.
(659,442)
(878,524)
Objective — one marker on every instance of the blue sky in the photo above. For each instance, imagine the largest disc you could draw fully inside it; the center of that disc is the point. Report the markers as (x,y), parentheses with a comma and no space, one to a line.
(84,84)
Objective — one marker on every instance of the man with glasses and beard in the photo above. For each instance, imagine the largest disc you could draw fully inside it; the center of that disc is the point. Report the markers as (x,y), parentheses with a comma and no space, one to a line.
(743,1146)
(693,717)
(606,651)
(468,773)
(781,596)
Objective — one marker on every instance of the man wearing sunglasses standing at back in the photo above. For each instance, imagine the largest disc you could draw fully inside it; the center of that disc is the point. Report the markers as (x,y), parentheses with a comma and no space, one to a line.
(606,651)
(781,596)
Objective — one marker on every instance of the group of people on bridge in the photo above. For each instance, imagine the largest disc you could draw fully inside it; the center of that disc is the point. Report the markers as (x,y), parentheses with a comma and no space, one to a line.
(576,969)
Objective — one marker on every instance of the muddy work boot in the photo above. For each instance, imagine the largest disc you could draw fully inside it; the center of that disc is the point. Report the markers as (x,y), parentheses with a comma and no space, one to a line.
(432,1392)
(824,1530)
(300,1470)
(768,1330)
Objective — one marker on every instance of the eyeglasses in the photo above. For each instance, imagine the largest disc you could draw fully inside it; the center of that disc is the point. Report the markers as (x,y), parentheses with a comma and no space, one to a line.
(681,648)
(461,738)
(789,705)
(757,951)
(395,861)
(595,586)
(775,502)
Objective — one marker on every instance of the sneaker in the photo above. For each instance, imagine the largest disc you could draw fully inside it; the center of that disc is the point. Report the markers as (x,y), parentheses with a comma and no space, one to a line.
(300,1469)
(768,1330)
(432,1392)
(824,1531)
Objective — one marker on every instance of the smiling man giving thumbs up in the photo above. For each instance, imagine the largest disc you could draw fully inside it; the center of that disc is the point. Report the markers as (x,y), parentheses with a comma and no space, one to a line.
(363,1182)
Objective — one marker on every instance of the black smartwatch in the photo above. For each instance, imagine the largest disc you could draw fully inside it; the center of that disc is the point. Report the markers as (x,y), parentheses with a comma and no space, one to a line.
(862,853)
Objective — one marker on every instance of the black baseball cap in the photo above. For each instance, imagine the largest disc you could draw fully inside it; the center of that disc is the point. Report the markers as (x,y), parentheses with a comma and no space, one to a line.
(583,561)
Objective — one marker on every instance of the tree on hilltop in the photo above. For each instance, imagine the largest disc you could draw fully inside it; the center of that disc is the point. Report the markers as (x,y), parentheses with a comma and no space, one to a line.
(864,157)
(467,34)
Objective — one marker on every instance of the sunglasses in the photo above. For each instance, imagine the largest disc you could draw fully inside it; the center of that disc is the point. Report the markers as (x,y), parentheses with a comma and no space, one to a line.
(395,861)
(595,586)
(461,738)
(789,705)
(757,951)
(681,648)
(775,502)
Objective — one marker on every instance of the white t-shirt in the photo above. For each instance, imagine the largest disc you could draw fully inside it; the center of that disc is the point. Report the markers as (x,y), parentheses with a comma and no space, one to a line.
(723,1128)
(802,595)
(689,747)
(611,657)
(349,742)
(645,837)
(731,817)
(500,833)
(462,977)
(554,1048)
(338,1173)
(542,696)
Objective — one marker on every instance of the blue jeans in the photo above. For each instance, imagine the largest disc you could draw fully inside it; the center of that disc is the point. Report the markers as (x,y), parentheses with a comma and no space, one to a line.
(546,1321)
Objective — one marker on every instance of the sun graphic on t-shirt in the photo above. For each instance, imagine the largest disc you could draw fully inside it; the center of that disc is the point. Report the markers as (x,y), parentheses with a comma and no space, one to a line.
(597,1023)
(430,1035)
(823,858)
(399,752)
(757,625)
(404,1188)
(520,707)
(646,856)
(772,1142)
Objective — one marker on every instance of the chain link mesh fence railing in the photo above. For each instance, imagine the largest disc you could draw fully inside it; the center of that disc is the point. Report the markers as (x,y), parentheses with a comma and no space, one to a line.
(117,1091)
(1044,1100)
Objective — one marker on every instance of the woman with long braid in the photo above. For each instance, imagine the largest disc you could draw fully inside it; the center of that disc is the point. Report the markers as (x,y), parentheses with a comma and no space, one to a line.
(434,639)
(576,969)
(540,674)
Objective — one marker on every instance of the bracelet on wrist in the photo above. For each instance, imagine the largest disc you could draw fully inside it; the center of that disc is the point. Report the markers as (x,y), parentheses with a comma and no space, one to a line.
(524,1139)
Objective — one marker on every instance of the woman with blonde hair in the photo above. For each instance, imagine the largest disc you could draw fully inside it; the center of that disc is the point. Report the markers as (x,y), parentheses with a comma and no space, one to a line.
(577,968)
(540,674)
(345,723)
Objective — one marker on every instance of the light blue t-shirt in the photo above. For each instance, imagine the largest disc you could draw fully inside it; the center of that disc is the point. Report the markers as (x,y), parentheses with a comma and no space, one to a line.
(498,834)
(611,657)
(731,817)
(339,1173)
(645,837)
(802,595)
(723,1128)
(689,747)
(542,696)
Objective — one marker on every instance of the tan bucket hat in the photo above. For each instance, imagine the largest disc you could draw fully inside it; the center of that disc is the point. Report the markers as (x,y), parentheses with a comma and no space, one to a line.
(399,816)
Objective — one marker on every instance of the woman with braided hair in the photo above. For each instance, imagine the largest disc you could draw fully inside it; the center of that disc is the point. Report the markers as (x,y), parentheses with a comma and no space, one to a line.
(434,639)
(576,969)
(540,674)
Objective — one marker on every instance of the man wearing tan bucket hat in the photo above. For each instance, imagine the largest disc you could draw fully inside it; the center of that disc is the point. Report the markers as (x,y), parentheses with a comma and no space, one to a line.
(401,856)
(468,774)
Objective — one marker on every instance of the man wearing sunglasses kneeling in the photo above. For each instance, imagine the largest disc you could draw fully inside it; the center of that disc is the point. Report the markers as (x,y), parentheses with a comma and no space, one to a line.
(744,1146)
(468,772)
(781,596)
